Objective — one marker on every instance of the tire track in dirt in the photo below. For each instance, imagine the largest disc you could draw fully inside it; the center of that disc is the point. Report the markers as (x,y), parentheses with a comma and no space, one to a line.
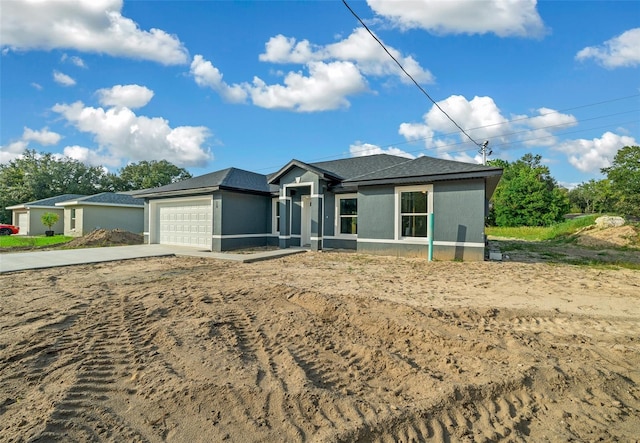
(256,348)
(101,354)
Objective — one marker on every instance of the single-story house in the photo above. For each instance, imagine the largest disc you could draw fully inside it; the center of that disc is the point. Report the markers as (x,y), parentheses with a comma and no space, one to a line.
(28,215)
(107,210)
(376,204)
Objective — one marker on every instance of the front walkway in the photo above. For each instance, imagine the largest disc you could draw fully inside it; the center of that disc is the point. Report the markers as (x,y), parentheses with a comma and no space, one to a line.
(20,261)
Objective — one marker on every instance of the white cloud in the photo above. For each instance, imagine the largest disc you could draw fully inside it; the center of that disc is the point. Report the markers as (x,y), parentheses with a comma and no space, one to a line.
(205,74)
(483,120)
(43,137)
(330,73)
(359,48)
(63,79)
(129,96)
(122,134)
(539,130)
(73,59)
(15,149)
(501,17)
(325,88)
(620,51)
(591,155)
(84,25)
(12,151)
(37,86)
(281,49)
(360,149)
(90,157)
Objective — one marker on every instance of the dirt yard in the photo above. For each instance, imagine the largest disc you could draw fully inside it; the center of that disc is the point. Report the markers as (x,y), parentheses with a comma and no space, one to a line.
(320,347)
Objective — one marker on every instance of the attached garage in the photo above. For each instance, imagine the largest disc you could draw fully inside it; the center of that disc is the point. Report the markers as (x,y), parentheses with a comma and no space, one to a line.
(183,222)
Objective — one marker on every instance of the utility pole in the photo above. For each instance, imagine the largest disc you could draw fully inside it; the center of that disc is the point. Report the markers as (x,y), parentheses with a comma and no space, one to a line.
(485,152)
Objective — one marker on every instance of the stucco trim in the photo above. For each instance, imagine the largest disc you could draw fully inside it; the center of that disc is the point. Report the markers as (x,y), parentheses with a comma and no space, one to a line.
(419,241)
(226,236)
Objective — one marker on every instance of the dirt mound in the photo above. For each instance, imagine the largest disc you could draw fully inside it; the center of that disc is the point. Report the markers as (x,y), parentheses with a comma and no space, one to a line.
(616,237)
(107,237)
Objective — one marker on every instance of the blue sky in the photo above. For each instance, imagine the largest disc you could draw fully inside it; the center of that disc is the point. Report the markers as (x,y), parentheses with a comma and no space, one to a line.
(212,84)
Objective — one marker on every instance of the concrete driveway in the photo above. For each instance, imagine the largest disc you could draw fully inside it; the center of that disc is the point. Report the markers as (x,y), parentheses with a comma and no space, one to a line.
(20,261)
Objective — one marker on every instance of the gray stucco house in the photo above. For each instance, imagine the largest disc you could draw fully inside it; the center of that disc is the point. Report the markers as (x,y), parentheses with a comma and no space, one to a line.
(375,204)
(107,210)
(28,215)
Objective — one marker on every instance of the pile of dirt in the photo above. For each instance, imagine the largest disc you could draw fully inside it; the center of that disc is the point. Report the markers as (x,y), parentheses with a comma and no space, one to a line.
(106,237)
(615,237)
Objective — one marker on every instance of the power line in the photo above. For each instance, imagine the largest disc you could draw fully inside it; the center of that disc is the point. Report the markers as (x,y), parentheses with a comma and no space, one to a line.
(409,75)
(510,143)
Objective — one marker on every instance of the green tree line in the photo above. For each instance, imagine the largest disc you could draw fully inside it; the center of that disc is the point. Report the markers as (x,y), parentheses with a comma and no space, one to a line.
(36,176)
(528,195)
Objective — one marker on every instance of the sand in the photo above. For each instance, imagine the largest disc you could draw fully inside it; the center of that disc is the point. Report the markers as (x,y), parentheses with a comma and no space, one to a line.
(320,347)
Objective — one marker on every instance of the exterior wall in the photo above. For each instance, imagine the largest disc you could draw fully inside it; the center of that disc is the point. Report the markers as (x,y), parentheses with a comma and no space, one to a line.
(91,217)
(245,220)
(73,229)
(147,233)
(34,223)
(458,207)
(376,213)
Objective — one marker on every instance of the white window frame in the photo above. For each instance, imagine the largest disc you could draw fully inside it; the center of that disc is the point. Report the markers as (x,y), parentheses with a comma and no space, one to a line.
(275,206)
(398,219)
(336,231)
(72,219)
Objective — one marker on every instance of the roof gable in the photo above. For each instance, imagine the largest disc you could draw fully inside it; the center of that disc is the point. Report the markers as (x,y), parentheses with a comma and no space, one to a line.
(339,170)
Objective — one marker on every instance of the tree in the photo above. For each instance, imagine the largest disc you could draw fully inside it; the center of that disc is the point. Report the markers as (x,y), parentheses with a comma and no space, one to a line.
(49,219)
(592,196)
(624,175)
(149,174)
(36,176)
(527,195)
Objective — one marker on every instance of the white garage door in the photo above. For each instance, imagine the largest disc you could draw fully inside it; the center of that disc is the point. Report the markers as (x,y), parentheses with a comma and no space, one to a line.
(23,222)
(186,223)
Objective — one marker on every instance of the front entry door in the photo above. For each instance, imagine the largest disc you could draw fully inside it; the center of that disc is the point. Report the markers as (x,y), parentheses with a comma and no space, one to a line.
(305,228)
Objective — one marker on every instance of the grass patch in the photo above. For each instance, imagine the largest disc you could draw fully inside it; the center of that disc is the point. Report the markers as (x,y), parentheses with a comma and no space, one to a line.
(22,242)
(540,233)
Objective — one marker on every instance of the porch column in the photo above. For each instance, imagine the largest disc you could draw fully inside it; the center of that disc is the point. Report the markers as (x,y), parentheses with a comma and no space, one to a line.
(285,222)
(317,214)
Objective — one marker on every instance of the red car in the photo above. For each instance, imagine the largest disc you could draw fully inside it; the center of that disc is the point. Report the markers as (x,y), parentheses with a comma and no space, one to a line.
(8,229)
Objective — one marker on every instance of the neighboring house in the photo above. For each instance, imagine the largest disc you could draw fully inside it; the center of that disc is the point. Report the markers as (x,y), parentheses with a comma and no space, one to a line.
(107,210)
(375,204)
(28,215)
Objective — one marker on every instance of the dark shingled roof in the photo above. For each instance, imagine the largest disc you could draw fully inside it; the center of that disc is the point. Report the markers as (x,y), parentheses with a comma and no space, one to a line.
(424,168)
(344,173)
(110,198)
(51,201)
(230,178)
(345,168)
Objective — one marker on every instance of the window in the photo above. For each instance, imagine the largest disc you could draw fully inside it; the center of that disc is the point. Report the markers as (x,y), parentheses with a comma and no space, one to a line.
(73,219)
(275,226)
(347,214)
(413,207)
